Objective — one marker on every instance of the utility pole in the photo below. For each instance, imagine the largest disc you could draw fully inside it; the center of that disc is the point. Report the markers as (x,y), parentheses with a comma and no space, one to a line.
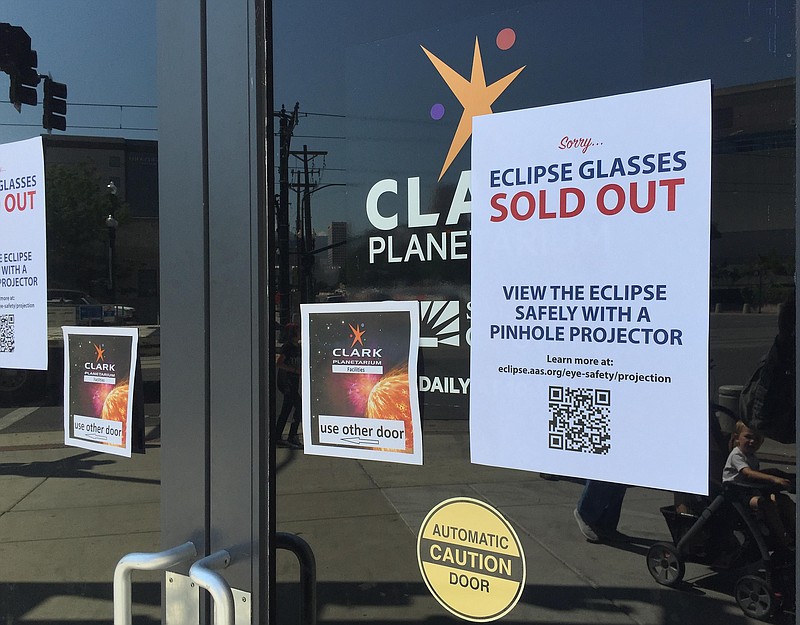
(287,125)
(306,251)
(298,229)
(300,243)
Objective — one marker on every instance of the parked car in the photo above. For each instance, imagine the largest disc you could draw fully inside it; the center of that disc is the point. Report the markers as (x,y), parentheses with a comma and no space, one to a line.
(64,307)
(88,308)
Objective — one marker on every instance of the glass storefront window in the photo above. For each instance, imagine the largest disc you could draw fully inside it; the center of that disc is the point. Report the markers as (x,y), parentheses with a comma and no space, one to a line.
(68,514)
(374,203)
(378,183)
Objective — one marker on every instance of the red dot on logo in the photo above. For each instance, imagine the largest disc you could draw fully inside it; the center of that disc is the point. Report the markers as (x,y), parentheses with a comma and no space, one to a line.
(506,38)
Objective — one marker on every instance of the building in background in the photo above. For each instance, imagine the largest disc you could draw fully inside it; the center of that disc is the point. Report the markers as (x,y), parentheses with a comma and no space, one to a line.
(337,236)
(753,209)
(132,165)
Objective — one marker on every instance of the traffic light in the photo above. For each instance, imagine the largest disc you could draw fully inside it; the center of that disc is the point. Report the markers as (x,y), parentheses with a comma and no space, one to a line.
(55,105)
(19,61)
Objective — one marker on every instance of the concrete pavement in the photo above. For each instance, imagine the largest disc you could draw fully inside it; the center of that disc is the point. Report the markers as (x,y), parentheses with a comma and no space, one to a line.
(366,559)
(68,515)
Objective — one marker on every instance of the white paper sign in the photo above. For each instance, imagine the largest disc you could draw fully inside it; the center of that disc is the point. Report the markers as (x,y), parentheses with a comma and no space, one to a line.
(99,368)
(23,256)
(590,288)
(359,382)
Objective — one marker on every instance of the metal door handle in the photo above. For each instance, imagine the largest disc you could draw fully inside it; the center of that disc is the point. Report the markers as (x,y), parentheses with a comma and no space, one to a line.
(142,562)
(203,574)
(308,573)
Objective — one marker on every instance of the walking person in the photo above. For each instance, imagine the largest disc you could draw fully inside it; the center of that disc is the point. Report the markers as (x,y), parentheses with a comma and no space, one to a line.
(289,385)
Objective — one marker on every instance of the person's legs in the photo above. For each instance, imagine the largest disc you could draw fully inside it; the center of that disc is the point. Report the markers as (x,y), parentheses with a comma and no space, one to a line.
(589,509)
(786,510)
(283,416)
(609,519)
(601,502)
(769,512)
(599,509)
(591,503)
(296,419)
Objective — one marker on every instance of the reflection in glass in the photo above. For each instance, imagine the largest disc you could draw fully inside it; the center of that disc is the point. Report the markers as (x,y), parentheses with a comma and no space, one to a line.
(379,107)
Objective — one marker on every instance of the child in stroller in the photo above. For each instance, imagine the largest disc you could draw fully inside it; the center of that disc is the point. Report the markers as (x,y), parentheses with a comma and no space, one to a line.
(726,534)
(760,489)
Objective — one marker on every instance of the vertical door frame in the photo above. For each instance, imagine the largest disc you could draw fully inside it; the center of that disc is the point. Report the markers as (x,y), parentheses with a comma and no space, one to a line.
(215,161)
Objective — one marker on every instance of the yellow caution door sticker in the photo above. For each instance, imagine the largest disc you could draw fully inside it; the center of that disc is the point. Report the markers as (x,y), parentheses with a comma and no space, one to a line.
(471,559)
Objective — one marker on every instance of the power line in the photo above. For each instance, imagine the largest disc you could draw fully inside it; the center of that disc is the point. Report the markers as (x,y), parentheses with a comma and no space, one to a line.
(155,106)
(124,106)
(322,114)
(277,134)
(314,136)
(83,127)
(127,106)
(326,168)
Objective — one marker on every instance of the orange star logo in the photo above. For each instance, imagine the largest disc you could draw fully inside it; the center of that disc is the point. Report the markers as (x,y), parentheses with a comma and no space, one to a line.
(357,336)
(100,353)
(474,95)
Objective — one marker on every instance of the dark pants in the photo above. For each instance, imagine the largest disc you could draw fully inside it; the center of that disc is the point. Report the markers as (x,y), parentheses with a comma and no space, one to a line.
(600,504)
(291,402)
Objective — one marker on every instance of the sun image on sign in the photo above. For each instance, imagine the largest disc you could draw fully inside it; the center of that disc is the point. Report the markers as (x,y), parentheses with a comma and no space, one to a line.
(471,559)
(440,324)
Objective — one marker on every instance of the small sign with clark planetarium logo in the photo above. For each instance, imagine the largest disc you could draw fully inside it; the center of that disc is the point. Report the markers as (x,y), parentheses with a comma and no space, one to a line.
(360,397)
(99,369)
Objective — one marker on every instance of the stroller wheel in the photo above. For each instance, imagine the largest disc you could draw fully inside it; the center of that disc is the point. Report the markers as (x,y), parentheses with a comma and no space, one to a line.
(754,596)
(665,564)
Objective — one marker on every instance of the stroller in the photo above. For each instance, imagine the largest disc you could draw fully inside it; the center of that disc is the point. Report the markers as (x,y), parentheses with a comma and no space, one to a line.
(722,532)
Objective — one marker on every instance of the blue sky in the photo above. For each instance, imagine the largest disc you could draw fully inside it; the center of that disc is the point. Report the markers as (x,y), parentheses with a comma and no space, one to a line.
(104,50)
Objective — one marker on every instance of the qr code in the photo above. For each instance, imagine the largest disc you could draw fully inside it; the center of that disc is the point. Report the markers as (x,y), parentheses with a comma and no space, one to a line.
(580,419)
(6,333)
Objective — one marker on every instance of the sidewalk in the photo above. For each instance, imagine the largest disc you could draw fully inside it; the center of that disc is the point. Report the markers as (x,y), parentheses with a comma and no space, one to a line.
(68,515)
(379,507)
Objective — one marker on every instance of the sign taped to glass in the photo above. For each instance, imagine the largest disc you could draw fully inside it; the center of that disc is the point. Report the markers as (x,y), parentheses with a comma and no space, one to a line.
(584,313)
(23,256)
(99,377)
(359,381)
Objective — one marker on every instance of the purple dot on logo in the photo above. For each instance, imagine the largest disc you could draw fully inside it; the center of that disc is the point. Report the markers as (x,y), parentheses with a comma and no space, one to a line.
(437,111)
